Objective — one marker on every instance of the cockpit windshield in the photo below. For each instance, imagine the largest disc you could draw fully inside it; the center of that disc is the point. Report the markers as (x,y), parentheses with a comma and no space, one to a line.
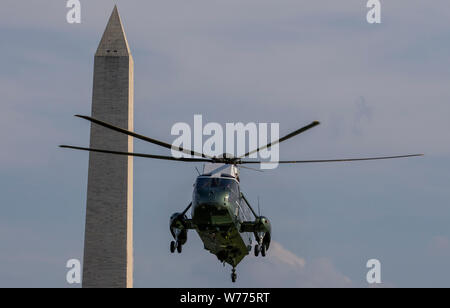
(218,183)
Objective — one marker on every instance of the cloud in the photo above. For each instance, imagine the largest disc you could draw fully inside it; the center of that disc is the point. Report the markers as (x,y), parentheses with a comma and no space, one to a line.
(282,268)
(283,256)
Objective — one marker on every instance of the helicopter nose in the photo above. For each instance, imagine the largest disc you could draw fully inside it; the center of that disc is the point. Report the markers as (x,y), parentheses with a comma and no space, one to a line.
(210,213)
(211,207)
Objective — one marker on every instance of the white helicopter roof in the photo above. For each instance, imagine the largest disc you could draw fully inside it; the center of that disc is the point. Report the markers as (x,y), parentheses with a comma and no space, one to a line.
(220,170)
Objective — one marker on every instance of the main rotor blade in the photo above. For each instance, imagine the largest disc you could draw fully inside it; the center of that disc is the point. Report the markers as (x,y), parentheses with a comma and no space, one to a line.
(329,160)
(138,154)
(295,133)
(142,137)
(253,169)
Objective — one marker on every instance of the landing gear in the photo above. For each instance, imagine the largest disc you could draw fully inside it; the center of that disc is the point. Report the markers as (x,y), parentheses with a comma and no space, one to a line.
(176,245)
(233,275)
(257,250)
(260,249)
(263,250)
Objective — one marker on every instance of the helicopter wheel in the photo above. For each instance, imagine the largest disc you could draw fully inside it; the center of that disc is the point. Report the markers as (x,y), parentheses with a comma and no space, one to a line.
(179,247)
(172,246)
(233,275)
(257,249)
(263,250)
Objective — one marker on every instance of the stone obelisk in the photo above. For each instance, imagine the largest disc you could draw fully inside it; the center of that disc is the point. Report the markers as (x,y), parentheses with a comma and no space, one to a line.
(108,243)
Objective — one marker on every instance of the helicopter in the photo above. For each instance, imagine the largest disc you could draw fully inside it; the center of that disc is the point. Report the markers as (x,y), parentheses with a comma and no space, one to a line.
(220,212)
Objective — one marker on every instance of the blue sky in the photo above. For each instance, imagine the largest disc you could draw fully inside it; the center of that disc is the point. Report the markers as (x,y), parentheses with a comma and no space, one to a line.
(377,89)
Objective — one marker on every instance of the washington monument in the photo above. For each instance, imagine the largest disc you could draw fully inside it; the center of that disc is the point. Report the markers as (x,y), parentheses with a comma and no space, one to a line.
(108,243)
